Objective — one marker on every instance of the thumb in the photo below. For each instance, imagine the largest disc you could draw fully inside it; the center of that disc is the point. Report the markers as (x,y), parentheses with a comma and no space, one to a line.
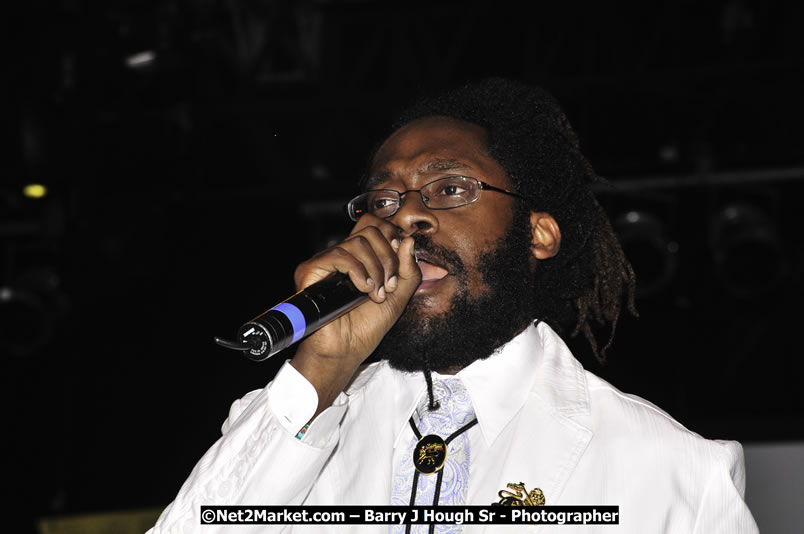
(409,277)
(409,272)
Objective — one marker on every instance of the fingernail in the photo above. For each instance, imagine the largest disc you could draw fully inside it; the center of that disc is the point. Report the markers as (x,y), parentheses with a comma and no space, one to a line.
(395,245)
(369,281)
(392,282)
(381,293)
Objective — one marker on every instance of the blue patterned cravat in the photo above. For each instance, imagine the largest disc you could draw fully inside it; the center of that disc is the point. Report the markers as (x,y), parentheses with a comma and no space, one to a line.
(454,412)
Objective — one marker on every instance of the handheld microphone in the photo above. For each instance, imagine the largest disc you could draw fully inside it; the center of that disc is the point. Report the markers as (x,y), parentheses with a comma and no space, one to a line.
(295,318)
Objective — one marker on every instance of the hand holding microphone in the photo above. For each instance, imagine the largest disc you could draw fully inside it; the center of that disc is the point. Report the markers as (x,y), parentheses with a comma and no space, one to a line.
(342,316)
(296,317)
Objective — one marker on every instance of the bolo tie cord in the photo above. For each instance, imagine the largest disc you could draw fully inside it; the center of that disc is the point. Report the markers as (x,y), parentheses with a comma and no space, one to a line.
(415,483)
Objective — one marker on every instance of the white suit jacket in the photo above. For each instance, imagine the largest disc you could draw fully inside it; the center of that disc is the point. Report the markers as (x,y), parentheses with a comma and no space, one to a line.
(542,421)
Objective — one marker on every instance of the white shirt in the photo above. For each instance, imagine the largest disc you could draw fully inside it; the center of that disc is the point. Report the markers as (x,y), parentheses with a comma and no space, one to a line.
(542,420)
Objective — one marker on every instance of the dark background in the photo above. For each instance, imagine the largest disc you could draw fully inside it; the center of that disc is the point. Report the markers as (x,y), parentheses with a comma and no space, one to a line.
(184,189)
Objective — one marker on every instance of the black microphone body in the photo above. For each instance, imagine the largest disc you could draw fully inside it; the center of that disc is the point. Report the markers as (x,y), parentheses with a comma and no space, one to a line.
(297,317)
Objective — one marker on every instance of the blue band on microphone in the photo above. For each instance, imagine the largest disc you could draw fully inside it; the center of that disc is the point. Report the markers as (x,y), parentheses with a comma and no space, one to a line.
(296,318)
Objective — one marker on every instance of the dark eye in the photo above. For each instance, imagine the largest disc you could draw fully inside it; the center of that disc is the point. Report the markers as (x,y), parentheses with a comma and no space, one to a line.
(452,189)
(380,203)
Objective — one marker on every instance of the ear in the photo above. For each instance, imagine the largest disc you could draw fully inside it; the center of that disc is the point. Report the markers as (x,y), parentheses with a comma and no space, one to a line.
(545,235)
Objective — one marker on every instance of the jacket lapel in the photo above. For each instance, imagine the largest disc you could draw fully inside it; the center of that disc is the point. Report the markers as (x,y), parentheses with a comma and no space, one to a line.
(546,440)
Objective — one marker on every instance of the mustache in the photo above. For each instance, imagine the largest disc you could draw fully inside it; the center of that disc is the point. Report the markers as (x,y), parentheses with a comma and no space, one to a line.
(445,257)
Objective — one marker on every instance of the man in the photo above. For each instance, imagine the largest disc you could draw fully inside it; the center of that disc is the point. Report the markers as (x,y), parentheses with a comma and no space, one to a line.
(476,239)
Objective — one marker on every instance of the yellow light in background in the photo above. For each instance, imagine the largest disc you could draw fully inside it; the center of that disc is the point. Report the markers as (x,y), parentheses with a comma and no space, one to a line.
(34,190)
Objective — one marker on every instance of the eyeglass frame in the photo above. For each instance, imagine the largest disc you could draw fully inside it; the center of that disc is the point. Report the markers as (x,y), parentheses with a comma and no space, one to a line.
(481,186)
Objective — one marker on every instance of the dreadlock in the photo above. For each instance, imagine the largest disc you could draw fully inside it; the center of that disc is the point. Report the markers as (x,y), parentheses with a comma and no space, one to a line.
(432,404)
(586,284)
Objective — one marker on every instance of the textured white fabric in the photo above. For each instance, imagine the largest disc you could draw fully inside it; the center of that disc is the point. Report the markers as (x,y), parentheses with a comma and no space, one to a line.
(543,421)
(454,412)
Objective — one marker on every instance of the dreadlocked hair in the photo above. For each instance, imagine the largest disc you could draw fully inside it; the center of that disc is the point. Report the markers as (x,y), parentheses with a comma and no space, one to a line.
(432,404)
(587,283)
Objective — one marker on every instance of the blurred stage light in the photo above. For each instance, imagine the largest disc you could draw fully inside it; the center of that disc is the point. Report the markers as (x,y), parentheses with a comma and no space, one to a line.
(646,245)
(34,191)
(746,250)
(141,60)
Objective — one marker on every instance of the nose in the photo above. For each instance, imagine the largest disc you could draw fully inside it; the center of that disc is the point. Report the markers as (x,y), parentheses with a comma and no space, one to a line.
(413,216)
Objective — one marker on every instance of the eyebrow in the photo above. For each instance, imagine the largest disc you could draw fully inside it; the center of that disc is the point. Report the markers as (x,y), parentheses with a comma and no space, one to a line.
(434,165)
(376,178)
(445,165)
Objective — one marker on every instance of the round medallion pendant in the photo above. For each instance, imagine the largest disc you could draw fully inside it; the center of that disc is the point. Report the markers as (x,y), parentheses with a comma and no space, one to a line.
(429,454)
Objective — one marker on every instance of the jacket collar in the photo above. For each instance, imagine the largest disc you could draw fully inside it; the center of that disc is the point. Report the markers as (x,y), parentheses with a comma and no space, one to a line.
(536,362)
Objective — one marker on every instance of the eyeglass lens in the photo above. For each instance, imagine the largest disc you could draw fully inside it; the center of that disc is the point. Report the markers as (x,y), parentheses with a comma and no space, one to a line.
(445,193)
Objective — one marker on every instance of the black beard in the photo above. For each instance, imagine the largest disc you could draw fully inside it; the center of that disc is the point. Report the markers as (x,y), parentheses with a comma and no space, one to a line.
(473,328)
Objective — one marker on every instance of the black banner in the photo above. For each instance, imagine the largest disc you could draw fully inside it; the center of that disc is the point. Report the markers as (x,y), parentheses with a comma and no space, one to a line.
(416,515)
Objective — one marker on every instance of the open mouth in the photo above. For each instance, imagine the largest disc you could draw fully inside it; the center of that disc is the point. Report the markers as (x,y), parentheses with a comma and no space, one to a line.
(432,272)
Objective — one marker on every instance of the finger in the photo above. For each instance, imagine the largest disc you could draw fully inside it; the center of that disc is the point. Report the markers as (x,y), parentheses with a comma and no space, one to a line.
(391,233)
(386,253)
(389,230)
(332,261)
(361,247)
(408,268)
(409,277)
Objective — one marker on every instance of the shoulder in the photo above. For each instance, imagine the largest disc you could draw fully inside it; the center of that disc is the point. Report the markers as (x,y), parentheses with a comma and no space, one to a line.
(611,406)
(645,451)
(619,421)
(627,424)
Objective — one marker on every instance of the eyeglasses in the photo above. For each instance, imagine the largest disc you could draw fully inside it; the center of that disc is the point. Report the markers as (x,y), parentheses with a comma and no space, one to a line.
(442,194)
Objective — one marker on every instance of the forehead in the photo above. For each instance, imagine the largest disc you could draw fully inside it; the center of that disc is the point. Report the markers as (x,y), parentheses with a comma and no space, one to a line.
(435,145)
